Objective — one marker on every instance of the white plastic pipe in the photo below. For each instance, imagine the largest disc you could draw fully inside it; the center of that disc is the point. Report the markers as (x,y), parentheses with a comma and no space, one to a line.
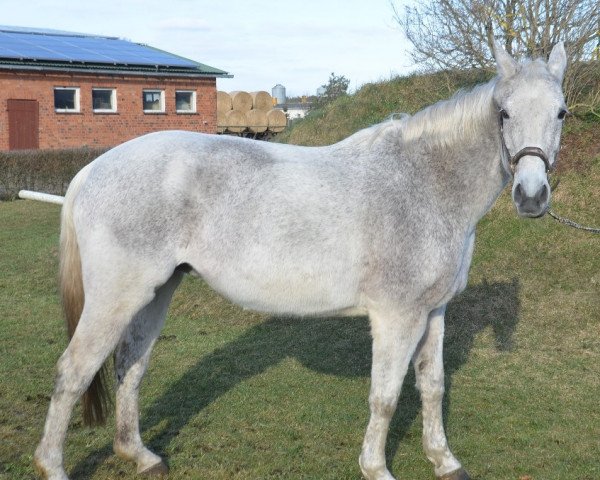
(41,197)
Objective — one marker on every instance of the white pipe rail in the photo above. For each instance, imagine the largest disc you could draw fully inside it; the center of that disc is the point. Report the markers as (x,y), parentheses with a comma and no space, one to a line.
(41,197)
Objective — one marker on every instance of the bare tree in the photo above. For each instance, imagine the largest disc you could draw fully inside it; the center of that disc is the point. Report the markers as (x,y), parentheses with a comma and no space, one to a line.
(451,34)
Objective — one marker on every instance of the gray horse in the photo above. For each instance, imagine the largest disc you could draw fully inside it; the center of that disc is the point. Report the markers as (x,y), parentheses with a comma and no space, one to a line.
(382,223)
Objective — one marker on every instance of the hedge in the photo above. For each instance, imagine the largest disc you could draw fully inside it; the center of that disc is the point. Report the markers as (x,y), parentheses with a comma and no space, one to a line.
(48,171)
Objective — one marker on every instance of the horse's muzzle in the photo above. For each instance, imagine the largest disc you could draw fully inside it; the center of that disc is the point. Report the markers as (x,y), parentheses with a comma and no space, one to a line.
(531,206)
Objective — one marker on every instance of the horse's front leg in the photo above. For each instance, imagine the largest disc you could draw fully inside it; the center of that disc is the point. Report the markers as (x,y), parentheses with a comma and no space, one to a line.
(429,370)
(395,338)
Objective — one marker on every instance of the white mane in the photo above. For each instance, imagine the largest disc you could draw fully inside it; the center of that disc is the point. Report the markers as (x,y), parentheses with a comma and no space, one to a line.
(459,118)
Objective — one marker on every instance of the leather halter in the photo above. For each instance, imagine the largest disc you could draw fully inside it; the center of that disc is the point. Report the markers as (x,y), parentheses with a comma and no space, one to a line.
(513,160)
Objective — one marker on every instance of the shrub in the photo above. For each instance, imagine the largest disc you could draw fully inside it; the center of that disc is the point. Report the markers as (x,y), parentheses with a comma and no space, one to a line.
(48,171)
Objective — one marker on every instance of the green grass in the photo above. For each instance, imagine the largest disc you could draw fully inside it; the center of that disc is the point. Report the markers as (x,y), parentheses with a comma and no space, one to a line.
(231,394)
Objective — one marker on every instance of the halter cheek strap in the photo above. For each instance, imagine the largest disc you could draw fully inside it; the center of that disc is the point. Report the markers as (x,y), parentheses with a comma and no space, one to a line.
(513,160)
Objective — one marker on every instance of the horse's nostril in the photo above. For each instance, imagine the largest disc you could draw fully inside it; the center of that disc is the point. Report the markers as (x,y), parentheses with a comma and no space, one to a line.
(519,194)
(543,194)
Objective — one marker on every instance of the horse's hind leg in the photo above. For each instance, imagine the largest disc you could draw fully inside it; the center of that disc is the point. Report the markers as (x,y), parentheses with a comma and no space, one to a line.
(429,370)
(109,308)
(131,360)
(395,337)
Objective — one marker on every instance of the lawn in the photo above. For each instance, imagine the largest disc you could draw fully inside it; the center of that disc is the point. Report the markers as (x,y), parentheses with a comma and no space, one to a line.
(231,394)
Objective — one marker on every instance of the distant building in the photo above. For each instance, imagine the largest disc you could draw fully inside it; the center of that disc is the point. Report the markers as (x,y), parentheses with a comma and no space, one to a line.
(64,89)
(295,110)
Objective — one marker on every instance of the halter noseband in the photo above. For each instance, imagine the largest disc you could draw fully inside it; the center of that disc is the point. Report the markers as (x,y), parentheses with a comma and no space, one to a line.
(513,160)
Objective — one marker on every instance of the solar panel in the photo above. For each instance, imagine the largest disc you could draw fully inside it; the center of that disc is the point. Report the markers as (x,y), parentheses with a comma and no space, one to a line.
(76,48)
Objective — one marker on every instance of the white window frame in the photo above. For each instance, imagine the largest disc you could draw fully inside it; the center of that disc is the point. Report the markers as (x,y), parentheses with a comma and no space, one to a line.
(77,108)
(113,100)
(193,101)
(162,99)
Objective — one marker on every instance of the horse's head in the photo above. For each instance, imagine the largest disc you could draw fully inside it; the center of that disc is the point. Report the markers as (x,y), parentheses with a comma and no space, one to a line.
(531,108)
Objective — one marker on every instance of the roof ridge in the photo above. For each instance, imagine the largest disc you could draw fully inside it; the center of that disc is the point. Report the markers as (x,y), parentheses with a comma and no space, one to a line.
(51,32)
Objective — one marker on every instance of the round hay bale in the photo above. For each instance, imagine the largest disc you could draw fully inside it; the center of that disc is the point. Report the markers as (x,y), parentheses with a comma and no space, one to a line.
(235,121)
(241,101)
(221,121)
(276,120)
(256,120)
(223,102)
(261,100)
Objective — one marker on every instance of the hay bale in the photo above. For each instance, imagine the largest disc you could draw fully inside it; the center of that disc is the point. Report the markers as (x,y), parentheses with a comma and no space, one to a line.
(224,103)
(241,101)
(276,120)
(256,119)
(235,121)
(261,100)
(221,121)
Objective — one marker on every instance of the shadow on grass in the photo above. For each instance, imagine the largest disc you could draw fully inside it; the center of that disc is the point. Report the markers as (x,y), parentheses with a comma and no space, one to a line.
(335,346)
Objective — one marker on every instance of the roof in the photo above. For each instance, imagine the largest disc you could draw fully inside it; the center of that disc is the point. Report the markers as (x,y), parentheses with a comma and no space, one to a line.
(44,49)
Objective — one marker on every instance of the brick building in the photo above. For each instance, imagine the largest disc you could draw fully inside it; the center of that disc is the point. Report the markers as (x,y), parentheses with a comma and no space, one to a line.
(62,90)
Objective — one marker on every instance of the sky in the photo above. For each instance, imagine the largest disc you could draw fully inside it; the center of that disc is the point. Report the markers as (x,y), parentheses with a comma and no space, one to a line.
(295,43)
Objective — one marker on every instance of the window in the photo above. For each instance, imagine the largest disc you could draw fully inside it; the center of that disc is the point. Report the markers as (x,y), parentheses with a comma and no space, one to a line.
(154,101)
(66,99)
(185,101)
(104,99)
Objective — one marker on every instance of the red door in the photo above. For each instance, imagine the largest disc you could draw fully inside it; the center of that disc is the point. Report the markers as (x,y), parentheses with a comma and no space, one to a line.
(23,124)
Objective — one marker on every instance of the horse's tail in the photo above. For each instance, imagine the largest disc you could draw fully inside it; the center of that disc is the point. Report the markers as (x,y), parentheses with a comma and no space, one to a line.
(95,399)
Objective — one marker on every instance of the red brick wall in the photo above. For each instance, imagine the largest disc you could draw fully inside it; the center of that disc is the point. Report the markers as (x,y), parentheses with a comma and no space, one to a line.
(65,130)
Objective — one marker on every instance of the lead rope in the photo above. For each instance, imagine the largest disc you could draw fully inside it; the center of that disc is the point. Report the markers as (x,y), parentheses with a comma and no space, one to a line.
(566,221)
(571,223)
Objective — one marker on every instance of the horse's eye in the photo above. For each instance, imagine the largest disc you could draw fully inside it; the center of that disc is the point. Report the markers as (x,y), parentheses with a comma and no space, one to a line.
(562,114)
(504,114)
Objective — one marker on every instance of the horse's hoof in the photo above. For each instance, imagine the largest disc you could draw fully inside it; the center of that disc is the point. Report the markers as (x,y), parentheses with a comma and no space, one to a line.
(459,474)
(157,470)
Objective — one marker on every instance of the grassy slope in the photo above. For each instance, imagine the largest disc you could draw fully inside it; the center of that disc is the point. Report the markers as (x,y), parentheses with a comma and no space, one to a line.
(374,102)
(236,395)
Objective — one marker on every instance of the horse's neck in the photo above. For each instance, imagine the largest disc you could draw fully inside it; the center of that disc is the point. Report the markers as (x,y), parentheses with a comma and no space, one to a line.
(478,163)
(465,175)
(477,156)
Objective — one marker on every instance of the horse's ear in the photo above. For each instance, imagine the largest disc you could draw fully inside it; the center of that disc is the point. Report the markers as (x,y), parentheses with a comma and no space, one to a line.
(557,62)
(507,66)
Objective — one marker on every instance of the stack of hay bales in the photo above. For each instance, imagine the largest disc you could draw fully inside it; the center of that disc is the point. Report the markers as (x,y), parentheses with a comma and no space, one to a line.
(238,112)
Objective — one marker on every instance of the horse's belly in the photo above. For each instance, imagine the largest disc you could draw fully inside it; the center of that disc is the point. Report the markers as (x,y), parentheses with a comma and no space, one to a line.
(283,289)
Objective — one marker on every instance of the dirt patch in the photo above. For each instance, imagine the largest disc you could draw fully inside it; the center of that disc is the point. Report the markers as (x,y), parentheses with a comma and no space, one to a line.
(579,146)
